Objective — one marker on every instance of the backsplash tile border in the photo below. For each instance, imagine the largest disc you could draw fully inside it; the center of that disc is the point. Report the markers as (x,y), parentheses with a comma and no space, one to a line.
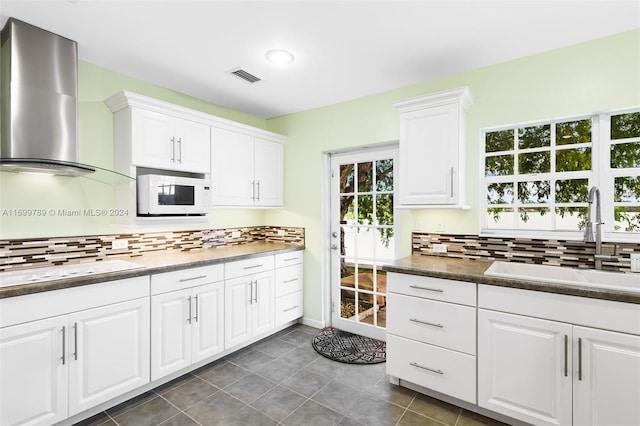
(18,254)
(576,254)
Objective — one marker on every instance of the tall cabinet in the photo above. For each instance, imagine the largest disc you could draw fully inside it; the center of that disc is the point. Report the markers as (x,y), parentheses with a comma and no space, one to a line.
(431,155)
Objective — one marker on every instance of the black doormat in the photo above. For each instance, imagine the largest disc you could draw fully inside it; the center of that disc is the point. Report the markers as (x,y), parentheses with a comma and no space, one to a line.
(347,347)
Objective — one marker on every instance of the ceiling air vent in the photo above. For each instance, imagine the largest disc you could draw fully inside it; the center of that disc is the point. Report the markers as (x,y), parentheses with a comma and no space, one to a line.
(240,73)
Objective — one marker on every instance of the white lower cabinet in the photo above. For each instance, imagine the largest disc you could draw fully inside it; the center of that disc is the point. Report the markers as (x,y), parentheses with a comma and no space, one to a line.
(38,394)
(74,361)
(187,324)
(431,333)
(249,299)
(551,371)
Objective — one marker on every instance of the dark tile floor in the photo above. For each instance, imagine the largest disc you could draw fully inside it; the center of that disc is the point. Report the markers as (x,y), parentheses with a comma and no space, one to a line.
(281,380)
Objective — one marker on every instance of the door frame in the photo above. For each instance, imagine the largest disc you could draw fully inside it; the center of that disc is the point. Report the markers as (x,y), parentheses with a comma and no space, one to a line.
(400,237)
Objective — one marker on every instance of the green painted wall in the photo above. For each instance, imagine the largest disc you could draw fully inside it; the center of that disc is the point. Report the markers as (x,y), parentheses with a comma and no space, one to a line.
(50,196)
(598,75)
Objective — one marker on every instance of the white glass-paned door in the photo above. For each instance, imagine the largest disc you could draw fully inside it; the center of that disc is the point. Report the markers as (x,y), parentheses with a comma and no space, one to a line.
(362,239)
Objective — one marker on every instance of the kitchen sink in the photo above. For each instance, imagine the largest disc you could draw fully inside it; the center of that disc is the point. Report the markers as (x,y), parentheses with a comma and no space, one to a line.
(51,273)
(563,275)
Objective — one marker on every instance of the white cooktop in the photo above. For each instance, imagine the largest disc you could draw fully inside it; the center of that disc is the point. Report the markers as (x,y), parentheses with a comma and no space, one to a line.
(51,273)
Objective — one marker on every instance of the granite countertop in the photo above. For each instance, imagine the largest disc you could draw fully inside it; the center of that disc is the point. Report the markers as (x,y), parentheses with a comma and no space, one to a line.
(155,263)
(473,271)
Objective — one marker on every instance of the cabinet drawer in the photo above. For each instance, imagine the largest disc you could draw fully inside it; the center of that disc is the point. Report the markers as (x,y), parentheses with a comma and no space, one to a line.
(186,278)
(288,280)
(442,370)
(288,307)
(429,321)
(289,258)
(460,292)
(248,266)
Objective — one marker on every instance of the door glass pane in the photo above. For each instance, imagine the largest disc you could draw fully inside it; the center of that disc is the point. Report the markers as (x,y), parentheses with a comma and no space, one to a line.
(384,209)
(384,175)
(346,178)
(347,241)
(365,209)
(365,177)
(384,244)
(534,162)
(347,304)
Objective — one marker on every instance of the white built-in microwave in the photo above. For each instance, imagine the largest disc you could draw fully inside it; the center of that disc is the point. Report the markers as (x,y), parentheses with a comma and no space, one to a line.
(172,195)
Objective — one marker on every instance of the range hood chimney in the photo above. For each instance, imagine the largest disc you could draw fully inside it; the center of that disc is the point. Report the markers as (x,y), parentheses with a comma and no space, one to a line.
(39,102)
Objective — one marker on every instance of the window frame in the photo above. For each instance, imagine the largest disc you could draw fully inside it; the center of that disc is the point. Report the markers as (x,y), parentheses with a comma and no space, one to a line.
(601,175)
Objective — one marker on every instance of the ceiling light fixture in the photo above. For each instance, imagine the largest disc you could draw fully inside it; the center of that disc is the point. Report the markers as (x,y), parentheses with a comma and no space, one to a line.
(279,57)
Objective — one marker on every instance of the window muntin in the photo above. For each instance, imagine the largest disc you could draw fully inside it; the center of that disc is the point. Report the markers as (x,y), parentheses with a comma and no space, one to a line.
(537,176)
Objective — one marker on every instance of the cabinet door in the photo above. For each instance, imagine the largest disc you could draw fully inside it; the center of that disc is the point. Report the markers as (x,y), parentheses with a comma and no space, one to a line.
(171,332)
(269,172)
(428,156)
(109,354)
(208,323)
(153,139)
(237,308)
(264,303)
(524,368)
(231,168)
(606,378)
(192,149)
(33,377)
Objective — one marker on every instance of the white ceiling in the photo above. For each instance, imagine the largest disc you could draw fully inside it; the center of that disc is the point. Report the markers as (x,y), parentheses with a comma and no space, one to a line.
(343,49)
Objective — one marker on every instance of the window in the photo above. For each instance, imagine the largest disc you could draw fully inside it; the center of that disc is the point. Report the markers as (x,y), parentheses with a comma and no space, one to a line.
(537,175)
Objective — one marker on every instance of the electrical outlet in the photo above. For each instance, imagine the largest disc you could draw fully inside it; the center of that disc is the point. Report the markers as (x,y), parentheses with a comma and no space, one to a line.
(439,248)
(280,232)
(235,234)
(119,244)
(635,262)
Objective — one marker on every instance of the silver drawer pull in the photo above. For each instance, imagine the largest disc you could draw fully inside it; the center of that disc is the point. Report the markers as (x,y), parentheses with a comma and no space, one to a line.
(290,281)
(254,266)
(290,309)
(192,278)
(415,364)
(426,323)
(439,290)
(290,259)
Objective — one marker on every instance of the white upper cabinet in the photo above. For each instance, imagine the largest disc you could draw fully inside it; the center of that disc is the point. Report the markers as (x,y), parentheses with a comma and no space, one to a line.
(246,170)
(155,134)
(165,142)
(432,139)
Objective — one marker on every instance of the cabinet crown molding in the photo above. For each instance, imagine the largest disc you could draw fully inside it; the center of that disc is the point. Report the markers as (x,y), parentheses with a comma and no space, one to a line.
(460,95)
(125,98)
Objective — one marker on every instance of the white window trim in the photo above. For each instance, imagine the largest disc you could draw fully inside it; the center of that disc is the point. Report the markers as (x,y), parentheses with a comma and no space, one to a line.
(602,176)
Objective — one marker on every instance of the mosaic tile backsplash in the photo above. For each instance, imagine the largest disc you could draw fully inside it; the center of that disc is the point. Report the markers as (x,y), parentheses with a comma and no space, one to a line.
(15,254)
(575,254)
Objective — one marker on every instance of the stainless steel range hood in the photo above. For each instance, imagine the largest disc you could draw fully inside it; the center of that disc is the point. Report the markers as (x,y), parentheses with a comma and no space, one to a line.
(39,101)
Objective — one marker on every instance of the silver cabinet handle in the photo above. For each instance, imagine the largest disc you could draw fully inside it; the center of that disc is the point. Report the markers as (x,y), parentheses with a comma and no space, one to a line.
(253,190)
(180,150)
(189,301)
(64,344)
(75,338)
(173,149)
(256,285)
(566,355)
(196,317)
(438,290)
(258,199)
(251,292)
(254,266)
(426,323)
(192,278)
(580,359)
(290,309)
(290,281)
(452,182)
(415,364)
